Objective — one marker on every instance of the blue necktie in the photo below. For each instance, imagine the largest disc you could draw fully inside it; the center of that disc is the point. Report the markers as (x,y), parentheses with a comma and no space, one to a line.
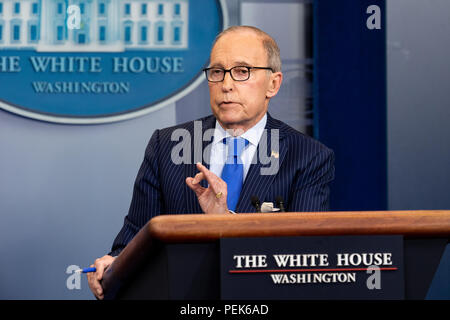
(233,170)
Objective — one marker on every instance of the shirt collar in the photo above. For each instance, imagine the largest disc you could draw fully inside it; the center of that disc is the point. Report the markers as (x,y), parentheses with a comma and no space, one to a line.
(252,135)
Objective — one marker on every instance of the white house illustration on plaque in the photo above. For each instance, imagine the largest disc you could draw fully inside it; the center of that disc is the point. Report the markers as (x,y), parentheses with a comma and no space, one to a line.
(105,25)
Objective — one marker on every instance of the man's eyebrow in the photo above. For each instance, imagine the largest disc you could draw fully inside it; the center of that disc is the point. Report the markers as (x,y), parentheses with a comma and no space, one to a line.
(216,65)
(235,64)
(242,63)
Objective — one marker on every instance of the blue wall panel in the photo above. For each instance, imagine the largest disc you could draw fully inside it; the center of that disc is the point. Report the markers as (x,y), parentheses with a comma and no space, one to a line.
(350,100)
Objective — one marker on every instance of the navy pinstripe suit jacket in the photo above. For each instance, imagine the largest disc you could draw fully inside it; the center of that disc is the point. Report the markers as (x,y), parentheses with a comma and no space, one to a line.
(306,167)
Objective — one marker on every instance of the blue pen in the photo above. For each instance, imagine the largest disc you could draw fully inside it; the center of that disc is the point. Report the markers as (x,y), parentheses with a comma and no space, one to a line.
(86,270)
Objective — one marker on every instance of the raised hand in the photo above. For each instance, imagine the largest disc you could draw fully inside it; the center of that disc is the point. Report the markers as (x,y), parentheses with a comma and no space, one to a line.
(214,198)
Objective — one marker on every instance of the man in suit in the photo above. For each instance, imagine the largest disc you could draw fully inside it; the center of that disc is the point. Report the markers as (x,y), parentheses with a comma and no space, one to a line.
(250,154)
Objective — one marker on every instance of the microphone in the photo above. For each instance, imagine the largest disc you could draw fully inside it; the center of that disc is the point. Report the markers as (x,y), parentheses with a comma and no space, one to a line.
(280,203)
(256,203)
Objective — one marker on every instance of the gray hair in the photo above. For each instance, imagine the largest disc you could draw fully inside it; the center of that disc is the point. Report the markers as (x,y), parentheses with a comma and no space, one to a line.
(269,44)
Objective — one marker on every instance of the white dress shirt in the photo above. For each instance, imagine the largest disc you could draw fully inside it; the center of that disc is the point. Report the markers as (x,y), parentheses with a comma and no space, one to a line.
(219,149)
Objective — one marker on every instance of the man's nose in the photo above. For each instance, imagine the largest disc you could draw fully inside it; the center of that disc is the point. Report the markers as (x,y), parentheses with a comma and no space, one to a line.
(228,82)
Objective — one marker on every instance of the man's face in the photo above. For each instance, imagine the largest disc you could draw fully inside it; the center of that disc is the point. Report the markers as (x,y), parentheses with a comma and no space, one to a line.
(240,104)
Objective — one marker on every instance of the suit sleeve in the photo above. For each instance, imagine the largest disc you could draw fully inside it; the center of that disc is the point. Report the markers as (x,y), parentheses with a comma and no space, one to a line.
(311,190)
(147,200)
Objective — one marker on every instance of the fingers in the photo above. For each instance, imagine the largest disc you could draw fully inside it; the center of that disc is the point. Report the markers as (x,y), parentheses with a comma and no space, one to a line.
(194,183)
(196,187)
(94,278)
(216,183)
(208,175)
(214,198)
(203,174)
(95,285)
(198,178)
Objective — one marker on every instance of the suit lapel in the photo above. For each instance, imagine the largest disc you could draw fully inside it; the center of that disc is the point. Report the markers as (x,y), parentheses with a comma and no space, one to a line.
(197,155)
(256,183)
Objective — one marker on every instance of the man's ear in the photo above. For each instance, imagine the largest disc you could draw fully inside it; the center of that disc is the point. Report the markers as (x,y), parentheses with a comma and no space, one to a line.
(276,78)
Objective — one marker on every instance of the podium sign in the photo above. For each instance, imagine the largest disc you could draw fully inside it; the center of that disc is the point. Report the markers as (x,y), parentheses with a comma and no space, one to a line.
(327,267)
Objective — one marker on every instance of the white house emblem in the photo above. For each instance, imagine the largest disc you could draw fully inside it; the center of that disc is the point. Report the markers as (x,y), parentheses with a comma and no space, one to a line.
(96,61)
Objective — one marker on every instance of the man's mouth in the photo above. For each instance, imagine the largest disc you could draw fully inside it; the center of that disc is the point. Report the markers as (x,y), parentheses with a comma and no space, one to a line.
(227,103)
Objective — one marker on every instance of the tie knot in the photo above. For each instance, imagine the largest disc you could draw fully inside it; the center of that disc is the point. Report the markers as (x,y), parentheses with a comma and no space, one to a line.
(235,146)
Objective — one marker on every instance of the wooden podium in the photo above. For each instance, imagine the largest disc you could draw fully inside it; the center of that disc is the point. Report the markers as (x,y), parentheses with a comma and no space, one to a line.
(178,256)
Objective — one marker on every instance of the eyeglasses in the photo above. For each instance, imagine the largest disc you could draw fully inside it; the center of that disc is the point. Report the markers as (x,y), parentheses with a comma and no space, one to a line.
(238,73)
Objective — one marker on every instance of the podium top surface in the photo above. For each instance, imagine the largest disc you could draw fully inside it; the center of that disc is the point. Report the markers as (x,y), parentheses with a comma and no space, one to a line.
(202,227)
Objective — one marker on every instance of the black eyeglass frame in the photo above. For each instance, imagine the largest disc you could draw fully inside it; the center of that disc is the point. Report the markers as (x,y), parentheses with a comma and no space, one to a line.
(229,70)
